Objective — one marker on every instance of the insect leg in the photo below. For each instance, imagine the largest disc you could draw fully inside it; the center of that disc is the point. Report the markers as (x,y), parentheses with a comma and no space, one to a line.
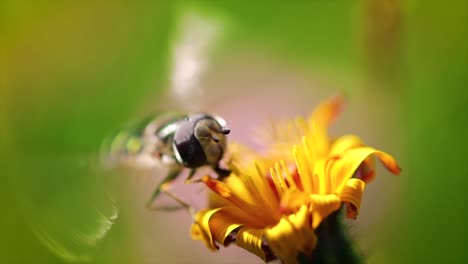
(163,185)
(192,172)
(222,173)
(183,204)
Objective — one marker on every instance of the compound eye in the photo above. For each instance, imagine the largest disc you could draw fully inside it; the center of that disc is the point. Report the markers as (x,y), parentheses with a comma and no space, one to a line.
(188,147)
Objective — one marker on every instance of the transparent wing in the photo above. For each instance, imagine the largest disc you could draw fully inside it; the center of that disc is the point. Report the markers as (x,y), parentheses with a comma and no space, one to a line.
(75,242)
(75,225)
(70,211)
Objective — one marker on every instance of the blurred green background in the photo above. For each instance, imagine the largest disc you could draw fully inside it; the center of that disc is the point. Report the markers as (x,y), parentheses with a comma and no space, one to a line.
(71,73)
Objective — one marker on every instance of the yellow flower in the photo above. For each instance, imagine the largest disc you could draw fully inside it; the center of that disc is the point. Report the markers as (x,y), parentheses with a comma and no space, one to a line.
(271,204)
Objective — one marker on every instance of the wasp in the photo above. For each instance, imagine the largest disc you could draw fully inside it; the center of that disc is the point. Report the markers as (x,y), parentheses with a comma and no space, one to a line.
(174,141)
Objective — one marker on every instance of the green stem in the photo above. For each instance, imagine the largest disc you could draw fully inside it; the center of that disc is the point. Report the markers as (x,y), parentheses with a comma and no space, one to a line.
(333,245)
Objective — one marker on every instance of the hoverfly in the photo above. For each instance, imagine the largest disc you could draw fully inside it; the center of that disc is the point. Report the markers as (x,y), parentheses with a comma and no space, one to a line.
(174,141)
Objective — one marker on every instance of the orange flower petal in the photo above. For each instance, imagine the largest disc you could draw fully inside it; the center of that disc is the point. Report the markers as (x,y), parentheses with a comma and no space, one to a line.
(345,167)
(201,230)
(347,142)
(251,239)
(366,170)
(321,206)
(222,223)
(238,186)
(305,165)
(215,226)
(344,143)
(221,226)
(255,210)
(293,234)
(321,177)
(327,111)
(352,196)
(224,191)
(256,187)
(292,200)
(319,122)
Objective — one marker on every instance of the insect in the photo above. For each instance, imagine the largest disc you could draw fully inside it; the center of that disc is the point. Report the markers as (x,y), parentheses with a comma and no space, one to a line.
(175,141)
(134,148)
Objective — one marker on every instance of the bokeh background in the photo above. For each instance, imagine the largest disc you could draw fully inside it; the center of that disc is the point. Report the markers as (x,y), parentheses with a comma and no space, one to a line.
(73,73)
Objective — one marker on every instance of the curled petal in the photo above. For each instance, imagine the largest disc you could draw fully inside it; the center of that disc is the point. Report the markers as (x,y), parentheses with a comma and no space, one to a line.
(221,226)
(251,239)
(352,196)
(321,206)
(216,226)
(366,171)
(292,234)
(201,229)
(345,167)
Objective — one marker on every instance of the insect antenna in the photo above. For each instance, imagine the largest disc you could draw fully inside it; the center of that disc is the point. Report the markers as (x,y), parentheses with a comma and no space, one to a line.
(224,130)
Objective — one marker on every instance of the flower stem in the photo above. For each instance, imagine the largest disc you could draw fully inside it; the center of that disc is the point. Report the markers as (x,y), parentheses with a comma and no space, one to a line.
(334,245)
